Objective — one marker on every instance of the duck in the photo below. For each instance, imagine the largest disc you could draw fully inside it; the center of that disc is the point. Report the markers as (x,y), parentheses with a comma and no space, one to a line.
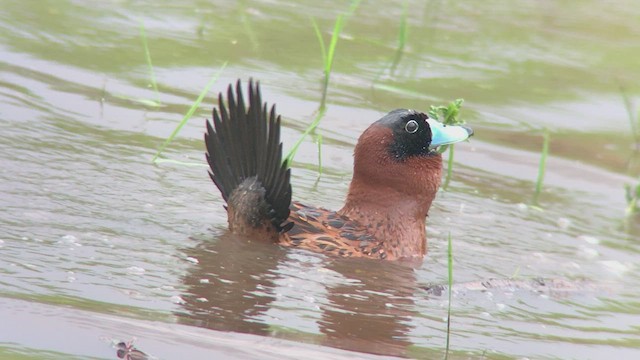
(396,174)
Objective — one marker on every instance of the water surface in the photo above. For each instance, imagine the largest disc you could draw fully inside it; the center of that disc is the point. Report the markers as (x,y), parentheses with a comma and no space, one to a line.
(96,237)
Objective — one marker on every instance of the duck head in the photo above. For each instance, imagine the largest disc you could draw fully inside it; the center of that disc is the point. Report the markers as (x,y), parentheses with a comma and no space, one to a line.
(397,173)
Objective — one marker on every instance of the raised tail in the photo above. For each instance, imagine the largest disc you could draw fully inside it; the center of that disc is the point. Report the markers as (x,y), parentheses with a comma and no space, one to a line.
(244,153)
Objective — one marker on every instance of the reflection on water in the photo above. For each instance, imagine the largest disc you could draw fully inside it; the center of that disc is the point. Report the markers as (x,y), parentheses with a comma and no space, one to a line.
(234,285)
(87,222)
(374,315)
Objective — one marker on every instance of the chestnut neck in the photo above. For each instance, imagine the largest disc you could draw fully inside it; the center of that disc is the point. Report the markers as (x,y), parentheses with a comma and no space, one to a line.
(392,196)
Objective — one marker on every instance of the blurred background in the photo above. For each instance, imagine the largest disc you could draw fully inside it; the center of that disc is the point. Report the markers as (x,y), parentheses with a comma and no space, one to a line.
(98,244)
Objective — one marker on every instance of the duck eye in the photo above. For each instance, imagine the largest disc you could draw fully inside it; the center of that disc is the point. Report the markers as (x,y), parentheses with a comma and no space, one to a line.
(411,126)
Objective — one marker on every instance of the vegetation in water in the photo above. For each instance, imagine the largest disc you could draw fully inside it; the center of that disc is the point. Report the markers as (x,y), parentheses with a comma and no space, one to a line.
(402,41)
(632,194)
(450,273)
(448,115)
(542,167)
(189,113)
(634,119)
(147,55)
(328,55)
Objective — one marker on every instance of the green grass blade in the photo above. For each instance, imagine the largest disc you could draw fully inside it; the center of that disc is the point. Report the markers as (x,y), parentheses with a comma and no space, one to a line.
(632,195)
(353,7)
(323,49)
(449,168)
(542,166)
(516,273)
(246,24)
(330,52)
(403,31)
(314,124)
(630,115)
(402,37)
(337,29)
(402,40)
(147,54)
(189,113)
(327,59)
(450,272)
(319,140)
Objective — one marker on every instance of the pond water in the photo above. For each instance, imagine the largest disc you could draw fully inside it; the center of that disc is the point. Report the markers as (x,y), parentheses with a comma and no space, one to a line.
(99,245)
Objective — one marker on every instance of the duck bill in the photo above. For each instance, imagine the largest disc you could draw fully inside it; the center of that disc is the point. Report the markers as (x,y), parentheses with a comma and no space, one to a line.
(447,134)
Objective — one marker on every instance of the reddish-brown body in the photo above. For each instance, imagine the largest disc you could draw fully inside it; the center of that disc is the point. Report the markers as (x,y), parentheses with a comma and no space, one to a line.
(397,173)
(385,210)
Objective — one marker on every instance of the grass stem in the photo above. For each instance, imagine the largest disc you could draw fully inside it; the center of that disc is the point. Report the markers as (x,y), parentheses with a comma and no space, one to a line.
(328,57)
(147,54)
(319,140)
(634,123)
(189,113)
(328,54)
(402,40)
(447,179)
(542,166)
(314,124)
(632,194)
(450,272)
(402,37)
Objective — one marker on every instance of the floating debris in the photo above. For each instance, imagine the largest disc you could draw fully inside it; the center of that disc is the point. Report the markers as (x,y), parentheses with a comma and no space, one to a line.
(127,351)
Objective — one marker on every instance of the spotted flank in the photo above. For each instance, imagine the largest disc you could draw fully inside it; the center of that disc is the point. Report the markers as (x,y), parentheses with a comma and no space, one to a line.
(327,231)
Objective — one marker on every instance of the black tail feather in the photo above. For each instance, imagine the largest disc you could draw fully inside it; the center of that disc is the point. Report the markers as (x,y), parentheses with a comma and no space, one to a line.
(243,143)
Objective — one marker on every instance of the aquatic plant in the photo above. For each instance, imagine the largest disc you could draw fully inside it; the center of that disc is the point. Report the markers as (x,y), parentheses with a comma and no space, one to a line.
(542,166)
(634,120)
(327,59)
(448,115)
(312,127)
(189,113)
(147,55)
(632,194)
(402,41)
(402,36)
(152,78)
(450,272)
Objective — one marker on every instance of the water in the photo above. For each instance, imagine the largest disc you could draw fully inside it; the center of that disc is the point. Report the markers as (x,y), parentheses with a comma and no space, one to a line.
(99,245)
